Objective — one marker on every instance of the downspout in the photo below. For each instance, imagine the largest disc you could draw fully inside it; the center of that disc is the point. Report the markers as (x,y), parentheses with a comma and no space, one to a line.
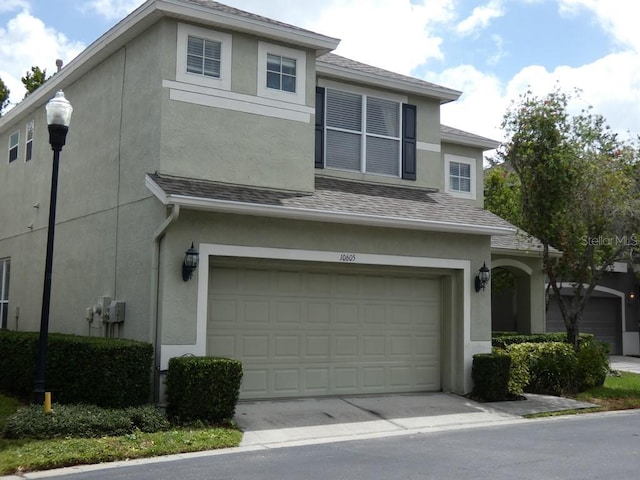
(156,334)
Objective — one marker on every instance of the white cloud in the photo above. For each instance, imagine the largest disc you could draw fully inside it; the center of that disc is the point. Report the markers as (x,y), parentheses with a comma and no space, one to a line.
(25,42)
(480,17)
(386,33)
(12,5)
(619,18)
(112,9)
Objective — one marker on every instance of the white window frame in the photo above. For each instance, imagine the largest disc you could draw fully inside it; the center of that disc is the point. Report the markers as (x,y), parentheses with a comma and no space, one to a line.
(365,93)
(226,47)
(448,159)
(13,145)
(300,56)
(30,133)
(5,264)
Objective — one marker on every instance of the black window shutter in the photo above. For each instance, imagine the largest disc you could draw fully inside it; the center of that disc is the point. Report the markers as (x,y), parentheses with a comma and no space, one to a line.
(408,142)
(319,127)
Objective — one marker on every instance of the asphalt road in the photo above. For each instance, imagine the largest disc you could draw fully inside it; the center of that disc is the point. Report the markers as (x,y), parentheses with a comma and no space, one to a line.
(600,446)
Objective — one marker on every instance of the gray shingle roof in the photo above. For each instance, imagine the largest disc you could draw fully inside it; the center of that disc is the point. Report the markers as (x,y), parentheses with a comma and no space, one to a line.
(456,135)
(337,196)
(521,242)
(242,13)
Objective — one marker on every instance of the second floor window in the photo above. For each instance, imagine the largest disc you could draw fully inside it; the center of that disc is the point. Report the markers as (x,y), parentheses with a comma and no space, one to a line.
(460,177)
(29,142)
(14,140)
(203,56)
(362,133)
(281,73)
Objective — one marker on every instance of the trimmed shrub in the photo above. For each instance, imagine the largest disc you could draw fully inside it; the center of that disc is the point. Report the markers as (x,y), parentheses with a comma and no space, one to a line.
(83,421)
(203,389)
(100,371)
(519,371)
(552,367)
(593,364)
(504,339)
(490,374)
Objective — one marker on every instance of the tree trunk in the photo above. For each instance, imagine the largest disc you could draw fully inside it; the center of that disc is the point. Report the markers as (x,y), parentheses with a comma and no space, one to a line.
(571,323)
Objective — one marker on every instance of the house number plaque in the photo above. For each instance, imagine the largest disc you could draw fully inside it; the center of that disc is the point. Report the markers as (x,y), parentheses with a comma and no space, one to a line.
(348,257)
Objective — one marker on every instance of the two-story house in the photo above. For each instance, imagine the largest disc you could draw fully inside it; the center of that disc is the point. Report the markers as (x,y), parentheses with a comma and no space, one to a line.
(339,225)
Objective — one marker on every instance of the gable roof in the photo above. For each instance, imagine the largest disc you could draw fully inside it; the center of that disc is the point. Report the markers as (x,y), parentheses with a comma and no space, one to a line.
(344,68)
(334,200)
(520,243)
(460,137)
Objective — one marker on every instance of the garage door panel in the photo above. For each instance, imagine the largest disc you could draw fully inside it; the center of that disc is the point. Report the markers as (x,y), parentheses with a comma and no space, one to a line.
(307,333)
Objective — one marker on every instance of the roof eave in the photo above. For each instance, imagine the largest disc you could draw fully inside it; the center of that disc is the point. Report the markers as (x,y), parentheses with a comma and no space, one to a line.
(524,252)
(276,211)
(486,144)
(445,95)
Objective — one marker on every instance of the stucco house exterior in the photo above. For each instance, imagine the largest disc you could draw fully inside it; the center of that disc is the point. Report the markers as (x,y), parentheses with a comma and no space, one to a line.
(339,225)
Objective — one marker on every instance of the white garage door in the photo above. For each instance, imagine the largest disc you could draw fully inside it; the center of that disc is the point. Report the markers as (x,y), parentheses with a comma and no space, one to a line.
(303,331)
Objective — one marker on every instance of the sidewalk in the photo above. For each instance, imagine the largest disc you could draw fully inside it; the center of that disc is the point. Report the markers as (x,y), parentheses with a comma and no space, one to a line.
(625,364)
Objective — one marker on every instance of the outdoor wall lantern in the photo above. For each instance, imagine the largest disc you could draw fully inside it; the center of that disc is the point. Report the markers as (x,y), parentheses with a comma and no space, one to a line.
(190,263)
(482,278)
(58,118)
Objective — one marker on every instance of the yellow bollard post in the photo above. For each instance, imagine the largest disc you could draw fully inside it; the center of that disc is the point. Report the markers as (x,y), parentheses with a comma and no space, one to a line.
(47,402)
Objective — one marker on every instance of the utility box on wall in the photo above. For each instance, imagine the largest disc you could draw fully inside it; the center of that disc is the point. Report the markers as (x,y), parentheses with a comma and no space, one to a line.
(116,312)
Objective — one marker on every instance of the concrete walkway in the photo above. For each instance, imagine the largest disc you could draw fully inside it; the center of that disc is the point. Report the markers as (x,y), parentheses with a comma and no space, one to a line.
(625,364)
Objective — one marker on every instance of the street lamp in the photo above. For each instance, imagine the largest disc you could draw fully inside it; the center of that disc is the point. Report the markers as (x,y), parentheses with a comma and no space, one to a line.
(58,118)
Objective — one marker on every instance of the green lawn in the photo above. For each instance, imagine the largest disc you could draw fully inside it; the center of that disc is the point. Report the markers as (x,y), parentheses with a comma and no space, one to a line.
(619,392)
(17,456)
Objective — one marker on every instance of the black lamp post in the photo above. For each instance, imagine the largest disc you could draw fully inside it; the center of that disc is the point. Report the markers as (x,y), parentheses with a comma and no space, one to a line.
(58,118)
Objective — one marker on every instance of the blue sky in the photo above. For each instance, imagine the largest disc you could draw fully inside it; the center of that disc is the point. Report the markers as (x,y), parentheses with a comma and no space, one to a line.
(492,50)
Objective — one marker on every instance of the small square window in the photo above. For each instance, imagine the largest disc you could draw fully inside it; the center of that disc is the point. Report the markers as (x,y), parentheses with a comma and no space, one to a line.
(281,73)
(203,56)
(29,141)
(461,176)
(14,140)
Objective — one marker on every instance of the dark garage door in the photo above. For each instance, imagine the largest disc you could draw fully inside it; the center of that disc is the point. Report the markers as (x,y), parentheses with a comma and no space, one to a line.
(601,317)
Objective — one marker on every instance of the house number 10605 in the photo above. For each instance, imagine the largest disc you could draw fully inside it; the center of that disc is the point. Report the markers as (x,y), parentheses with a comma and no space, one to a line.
(347,257)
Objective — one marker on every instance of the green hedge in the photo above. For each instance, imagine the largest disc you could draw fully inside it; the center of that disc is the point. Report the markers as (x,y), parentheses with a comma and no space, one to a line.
(490,374)
(203,389)
(94,370)
(504,339)
(83,421)
(554,368)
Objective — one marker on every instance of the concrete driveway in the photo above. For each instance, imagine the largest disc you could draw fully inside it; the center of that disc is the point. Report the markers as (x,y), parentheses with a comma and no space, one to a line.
(319,420)
(625,364)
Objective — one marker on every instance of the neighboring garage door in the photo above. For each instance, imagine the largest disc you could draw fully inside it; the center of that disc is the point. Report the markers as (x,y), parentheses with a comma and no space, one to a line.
(304,330)
(601,317)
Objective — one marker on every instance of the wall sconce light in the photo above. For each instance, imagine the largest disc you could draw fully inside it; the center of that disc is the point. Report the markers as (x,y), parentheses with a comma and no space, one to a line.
(483,277)
(190,263)
(631,297)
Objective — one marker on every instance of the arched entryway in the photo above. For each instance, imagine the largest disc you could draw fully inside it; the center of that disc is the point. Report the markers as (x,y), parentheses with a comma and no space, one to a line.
(511,296)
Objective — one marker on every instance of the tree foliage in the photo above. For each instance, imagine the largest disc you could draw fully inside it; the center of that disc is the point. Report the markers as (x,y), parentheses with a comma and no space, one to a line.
(577,193)
(33,79)
(4,96)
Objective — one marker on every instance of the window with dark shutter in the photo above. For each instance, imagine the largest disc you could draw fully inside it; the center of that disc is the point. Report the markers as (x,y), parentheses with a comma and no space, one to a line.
(361,133)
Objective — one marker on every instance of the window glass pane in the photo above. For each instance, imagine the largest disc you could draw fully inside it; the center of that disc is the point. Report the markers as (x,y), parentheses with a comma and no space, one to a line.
(465,170)
(289,66)
(343,150)
(454,168)
(288,83)
(465,185)
(273,80)
(194,64)
(383,117)
(195,46)
(30,130)
(212,50)
(7,277)
(344,110)
(273,63)
(212,68)
(455,184)
(29,152)
(383,156)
